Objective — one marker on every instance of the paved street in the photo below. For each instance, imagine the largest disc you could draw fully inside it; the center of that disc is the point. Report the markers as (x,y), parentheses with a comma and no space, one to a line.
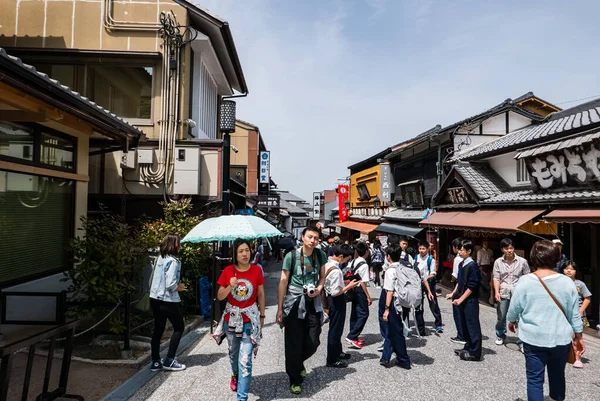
(436,374)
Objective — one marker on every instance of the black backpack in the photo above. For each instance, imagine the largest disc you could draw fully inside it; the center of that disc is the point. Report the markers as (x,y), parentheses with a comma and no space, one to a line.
(349,295)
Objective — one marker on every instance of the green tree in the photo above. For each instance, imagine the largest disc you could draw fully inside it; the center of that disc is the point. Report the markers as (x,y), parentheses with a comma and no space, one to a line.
(195,258)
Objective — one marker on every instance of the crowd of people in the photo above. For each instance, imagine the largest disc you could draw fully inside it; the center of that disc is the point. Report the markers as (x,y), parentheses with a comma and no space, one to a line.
(533,298)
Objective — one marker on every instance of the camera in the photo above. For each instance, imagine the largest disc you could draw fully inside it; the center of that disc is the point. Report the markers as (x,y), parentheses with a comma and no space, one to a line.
(309,289)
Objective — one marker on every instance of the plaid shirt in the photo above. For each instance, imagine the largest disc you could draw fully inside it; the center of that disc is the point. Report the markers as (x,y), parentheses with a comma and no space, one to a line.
(508,273)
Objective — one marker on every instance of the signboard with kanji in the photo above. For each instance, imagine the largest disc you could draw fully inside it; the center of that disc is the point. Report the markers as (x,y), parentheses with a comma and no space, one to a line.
(577,166)
(316,205)
(268,202)
(412,194)
(386,180)
(264,176)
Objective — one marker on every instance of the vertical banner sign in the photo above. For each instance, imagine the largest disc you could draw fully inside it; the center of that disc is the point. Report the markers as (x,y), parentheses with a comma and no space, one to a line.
(343,195)
(265,168)
(387,182)
(316,205)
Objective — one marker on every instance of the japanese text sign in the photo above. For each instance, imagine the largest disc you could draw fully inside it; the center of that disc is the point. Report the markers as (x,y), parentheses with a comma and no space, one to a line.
(386,180)
(343,195)
(264,168)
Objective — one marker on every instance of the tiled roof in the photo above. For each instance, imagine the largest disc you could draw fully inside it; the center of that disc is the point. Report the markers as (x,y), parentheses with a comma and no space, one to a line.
(576,118)
(398,148)
(403,214)
(84,101)
(287,196)
(482,179)
(291,208)
(529,196)
(564,144)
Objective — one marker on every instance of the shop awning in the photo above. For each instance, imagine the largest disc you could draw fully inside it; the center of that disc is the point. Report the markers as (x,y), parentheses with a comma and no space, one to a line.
(399,229)
(356,226)
(499,221)
(574,216)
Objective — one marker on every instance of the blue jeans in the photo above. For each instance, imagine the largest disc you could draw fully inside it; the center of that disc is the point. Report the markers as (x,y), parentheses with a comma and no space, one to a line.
(536,361)
(240,357)
(396,342)
(502,310)
(359,314)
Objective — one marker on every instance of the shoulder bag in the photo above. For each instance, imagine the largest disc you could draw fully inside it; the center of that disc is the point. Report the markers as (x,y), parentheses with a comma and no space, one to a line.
(571,358)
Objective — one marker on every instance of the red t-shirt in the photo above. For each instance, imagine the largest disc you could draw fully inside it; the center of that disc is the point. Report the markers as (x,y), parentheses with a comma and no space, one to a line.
(245,293)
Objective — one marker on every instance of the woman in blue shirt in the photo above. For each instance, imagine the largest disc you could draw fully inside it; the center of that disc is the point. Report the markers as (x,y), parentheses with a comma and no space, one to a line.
(546,332)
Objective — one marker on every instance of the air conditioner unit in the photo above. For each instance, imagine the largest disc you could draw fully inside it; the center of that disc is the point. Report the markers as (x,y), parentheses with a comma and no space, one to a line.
(128,159)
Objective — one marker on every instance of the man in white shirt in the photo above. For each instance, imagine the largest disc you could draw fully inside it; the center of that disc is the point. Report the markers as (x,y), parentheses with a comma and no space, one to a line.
(426,265)
(335,287)
(485,260)
(362,298)
(459,339)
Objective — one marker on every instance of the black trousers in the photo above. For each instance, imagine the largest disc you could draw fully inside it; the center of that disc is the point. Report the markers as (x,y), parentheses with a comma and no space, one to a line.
(377,268)
(471,327)
(337,317)
(161,311)
(433,306)
(301,339)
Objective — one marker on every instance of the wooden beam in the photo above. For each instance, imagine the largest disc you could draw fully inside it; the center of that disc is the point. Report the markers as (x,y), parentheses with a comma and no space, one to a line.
(23,168)
(22,116)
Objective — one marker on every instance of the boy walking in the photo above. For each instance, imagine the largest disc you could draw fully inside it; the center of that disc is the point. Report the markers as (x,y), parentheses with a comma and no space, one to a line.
(392,314)
(426,265)
(336,303)
(459,339)
(362,298)
(467,291)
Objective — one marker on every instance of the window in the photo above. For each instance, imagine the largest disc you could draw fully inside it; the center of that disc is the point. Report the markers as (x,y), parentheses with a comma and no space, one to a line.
(36,223)
(125,90)
(522,173)
(36,145)
(363,193)
(16,141)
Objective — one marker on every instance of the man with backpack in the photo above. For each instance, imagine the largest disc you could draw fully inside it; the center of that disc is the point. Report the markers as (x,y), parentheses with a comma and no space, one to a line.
(426,265)
(336,304)
(466,297)
(299,307)
(361,299)
(402,285)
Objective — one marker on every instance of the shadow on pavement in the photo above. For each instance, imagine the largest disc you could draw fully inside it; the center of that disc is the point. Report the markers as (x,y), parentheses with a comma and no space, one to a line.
(415,342)
(204,359)
(487,351)
(358,356)
(419,358)
(372,338)
(271,386)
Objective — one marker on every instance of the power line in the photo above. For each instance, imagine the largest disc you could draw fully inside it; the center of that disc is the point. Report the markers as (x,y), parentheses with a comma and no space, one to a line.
(578,100)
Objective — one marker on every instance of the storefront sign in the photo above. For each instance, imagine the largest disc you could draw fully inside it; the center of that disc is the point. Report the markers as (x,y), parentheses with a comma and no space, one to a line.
(316,205)
(412,194)
(268,202)
(343,195)
(245,212)
(383,239)
(575,167)
(386,180)
(265,167)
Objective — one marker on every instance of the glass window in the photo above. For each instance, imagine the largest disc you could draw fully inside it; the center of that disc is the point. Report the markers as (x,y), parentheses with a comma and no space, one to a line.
(126,91)
(57,151)
(36,220)
(16,141)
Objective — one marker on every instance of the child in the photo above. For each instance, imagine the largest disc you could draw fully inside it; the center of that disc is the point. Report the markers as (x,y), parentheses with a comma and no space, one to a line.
(335,289)
(362,298)
(570,270)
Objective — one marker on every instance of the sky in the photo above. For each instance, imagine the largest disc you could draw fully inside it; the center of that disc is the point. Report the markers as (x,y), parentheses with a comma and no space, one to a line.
(333,82)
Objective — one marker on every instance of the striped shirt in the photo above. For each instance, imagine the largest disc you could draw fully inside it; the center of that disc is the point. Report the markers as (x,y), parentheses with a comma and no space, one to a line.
(508,273)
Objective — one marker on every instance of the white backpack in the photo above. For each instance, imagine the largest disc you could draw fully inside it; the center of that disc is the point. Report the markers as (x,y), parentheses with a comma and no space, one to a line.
(407,287)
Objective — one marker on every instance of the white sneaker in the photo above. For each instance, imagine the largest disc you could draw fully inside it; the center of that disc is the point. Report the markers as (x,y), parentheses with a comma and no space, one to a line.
(499,341)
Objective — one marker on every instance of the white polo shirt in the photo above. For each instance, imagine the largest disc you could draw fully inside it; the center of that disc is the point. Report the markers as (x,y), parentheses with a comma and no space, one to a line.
(334,282)
(457,261)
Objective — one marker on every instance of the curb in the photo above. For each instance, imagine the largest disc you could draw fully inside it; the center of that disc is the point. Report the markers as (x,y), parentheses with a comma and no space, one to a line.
(144,375)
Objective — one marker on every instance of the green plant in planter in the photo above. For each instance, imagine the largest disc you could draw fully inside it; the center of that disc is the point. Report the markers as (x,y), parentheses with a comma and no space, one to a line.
(195,258)
(107,264)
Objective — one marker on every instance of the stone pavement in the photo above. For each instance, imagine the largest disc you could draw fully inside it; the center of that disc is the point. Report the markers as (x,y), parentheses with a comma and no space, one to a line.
(436,374)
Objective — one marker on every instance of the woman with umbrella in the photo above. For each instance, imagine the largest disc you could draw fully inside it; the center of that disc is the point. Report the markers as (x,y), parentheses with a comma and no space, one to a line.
(243,285)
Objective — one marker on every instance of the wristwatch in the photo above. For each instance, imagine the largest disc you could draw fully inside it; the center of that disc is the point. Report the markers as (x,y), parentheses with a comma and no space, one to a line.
(387,307)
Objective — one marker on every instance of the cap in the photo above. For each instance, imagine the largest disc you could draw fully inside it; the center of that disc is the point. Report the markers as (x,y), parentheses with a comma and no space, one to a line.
(557,241)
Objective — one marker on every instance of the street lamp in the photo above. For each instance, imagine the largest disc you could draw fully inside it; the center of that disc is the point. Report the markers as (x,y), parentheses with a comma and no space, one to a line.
(376,202)
(226,126)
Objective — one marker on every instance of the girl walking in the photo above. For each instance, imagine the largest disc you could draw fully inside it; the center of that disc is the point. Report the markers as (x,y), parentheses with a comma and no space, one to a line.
(585,297)
(165,303)
(243,285)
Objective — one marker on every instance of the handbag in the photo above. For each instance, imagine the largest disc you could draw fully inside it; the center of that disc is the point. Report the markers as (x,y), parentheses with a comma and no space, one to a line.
(571,359)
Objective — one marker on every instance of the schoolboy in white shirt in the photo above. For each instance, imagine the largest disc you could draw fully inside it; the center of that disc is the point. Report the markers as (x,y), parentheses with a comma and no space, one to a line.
(335,287)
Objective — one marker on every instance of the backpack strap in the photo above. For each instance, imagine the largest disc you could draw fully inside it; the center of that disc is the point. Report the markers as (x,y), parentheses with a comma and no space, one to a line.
(332,268)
